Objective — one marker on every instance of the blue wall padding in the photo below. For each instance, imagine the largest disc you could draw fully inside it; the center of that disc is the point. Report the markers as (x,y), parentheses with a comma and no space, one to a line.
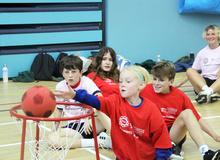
(50,38)
(199,6)
(50,17)
(47,1)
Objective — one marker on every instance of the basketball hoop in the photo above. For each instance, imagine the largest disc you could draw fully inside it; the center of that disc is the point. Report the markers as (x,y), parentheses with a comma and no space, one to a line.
(35,131)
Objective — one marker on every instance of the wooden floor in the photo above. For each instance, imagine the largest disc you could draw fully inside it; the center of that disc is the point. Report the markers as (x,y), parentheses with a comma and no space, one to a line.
(10,137)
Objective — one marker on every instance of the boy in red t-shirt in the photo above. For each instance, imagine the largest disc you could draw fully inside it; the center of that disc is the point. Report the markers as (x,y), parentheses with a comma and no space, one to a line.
(178,111)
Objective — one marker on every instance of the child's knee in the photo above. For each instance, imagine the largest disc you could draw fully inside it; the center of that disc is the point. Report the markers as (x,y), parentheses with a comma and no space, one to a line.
(187,113)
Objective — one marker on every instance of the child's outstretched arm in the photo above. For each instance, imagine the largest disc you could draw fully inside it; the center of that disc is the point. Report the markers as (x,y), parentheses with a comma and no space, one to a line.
(80,96)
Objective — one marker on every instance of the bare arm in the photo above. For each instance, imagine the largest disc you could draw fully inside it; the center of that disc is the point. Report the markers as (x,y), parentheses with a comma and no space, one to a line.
(181,82)
(58,114)
(80,95)
(218,73)
(70,94)
(206,128)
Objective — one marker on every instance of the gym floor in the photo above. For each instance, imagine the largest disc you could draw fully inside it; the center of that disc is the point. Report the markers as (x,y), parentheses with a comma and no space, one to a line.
(10,137)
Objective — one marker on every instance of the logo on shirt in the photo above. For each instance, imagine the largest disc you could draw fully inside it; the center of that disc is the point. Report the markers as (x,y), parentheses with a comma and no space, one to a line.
(168,113)
(205,61)
(127,127)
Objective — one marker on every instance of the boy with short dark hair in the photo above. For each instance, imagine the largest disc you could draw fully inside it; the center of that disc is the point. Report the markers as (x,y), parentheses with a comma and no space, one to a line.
(178,111)
(71,68)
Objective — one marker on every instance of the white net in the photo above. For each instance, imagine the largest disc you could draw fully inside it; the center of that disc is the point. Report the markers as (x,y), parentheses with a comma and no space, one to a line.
(51,140)
(53,144)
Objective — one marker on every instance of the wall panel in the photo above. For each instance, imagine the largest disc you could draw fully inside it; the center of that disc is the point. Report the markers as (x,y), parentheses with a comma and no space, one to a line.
(30,27)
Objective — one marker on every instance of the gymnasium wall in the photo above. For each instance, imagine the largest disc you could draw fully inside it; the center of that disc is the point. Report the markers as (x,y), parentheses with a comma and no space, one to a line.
(34,26)
(141,29)
(138,30)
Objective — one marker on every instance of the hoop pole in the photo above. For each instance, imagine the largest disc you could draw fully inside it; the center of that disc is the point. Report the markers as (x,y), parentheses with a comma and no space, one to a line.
(23,139)
(95,137)
(37,140)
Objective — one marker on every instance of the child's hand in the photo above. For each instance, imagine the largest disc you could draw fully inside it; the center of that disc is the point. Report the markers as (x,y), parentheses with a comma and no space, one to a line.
(216,138)
(70,94)
(88,127)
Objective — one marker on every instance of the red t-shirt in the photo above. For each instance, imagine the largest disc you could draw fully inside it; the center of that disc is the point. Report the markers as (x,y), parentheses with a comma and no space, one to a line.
(171,104)
(135,132)
(107,86)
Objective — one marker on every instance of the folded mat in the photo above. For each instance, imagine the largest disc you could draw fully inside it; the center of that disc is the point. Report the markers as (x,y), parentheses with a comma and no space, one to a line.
(199,6)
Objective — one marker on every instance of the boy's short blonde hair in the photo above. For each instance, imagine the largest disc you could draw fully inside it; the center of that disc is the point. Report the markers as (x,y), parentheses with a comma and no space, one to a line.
(141,73)
(164,69)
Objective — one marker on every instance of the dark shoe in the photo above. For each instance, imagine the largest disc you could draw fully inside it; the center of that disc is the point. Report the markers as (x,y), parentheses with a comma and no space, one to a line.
(24,76)
(201,98)
(176,149)
(176,152)
(214,97)
(57,79)
(211,155)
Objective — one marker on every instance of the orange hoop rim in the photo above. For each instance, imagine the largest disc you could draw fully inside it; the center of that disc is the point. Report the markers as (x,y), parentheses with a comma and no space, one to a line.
(13,112)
